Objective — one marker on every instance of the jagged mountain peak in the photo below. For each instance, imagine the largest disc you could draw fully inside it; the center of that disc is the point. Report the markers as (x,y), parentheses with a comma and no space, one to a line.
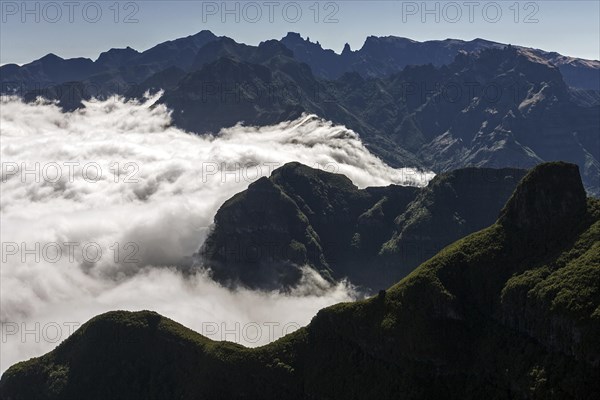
(294,36)
(347,50)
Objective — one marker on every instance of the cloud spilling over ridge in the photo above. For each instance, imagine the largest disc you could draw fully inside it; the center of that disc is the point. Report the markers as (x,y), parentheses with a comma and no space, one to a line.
(98,205)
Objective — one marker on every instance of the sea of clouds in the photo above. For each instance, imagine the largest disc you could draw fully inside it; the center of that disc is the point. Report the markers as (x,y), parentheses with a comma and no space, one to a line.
(102,206)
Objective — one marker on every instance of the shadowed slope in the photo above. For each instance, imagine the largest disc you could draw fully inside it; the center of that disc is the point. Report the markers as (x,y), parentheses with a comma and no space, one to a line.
(301,216)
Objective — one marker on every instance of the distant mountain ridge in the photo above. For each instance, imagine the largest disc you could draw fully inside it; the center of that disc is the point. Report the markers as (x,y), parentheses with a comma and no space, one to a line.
(379,57)
(509,312)
(485,105)
(496,108)
(115,70)
(383,56)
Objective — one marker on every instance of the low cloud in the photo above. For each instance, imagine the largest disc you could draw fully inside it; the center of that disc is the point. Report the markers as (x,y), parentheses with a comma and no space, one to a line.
(100,204)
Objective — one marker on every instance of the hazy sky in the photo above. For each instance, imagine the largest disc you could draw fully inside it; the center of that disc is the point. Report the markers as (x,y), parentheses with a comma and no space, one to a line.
(32,29)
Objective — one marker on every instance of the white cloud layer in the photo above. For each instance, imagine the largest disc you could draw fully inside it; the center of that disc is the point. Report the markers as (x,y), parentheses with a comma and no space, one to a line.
(110,242)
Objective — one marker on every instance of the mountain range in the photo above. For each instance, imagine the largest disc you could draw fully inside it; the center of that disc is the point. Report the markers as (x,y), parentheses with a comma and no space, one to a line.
(383,56)
(302,216)
(497,108)
(378,57)
(440,105)
(511,311)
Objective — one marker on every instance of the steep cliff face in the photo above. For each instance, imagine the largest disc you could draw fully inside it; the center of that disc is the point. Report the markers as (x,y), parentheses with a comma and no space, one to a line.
(305,217)
(262,239)
(491,316)
(556,301)
(298,217)
(550,202)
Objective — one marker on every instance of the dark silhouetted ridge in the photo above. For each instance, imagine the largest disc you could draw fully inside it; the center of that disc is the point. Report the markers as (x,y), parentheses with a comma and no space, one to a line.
(550,200)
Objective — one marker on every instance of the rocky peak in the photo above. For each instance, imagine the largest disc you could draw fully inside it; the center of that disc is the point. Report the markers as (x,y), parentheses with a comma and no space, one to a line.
(293,37)
(347,50)
(549,201)
(117,57)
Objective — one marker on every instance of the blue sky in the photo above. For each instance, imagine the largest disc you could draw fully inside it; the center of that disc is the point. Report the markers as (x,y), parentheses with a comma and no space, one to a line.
(32,29)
